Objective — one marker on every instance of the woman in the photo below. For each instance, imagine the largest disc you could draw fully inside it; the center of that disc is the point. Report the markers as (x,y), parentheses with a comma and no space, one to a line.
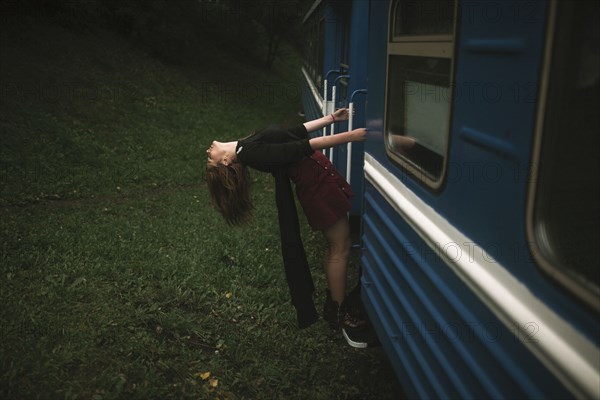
(322,192)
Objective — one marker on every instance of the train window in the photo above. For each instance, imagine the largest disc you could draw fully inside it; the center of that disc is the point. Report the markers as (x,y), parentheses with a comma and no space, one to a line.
(419,109)
(419,78)
(314,46)
(563,214)
(424,17)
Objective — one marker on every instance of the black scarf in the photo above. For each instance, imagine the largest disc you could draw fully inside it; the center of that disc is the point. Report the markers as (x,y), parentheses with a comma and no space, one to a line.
(297,271)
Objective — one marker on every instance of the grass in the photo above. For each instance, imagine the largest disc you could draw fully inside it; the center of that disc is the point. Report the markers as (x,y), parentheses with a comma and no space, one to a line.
(117,278)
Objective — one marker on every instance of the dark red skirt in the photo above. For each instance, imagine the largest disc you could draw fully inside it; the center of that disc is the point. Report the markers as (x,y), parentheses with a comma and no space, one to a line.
(321,190)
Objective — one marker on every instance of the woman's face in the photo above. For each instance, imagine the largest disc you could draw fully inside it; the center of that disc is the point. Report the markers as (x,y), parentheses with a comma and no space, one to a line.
(215,154)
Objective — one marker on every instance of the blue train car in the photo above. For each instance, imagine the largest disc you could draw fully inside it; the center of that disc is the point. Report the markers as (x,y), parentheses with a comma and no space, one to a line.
(335,76)
(478,186)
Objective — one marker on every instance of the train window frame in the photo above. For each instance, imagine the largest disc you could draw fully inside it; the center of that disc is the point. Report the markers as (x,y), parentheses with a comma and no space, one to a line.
(541,244)
(433,46)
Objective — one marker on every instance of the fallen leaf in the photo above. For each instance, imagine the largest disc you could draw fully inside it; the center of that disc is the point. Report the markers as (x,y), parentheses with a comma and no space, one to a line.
(203,375)
(228,295)
(214,383)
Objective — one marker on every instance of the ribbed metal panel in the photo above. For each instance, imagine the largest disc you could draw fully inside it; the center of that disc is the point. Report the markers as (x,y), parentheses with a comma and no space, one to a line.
(441,339)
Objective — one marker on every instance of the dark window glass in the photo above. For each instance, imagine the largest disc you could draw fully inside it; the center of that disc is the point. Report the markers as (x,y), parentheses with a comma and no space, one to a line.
(566,212)
(423,17)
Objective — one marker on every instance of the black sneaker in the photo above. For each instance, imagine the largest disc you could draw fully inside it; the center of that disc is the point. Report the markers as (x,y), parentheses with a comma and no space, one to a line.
(339,316)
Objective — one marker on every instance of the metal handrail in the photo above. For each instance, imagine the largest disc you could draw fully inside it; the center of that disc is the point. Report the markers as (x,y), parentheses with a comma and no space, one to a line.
(333,99)
(350,123)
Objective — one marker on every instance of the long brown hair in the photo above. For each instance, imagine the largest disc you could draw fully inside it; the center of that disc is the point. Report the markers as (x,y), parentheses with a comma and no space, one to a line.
(229,188)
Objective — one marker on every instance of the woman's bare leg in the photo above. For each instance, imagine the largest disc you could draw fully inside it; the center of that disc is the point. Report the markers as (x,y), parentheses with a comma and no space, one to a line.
(336,260)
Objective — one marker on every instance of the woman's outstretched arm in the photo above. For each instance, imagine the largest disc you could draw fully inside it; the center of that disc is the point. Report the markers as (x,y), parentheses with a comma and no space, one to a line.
(340,115)
(325,142)
(266,156)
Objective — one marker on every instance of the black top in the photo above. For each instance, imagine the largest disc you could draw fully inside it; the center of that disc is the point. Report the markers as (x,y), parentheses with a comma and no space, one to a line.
(274,147)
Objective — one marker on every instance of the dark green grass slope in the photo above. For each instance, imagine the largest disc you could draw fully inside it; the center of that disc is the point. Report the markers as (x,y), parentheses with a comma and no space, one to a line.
(117,280)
